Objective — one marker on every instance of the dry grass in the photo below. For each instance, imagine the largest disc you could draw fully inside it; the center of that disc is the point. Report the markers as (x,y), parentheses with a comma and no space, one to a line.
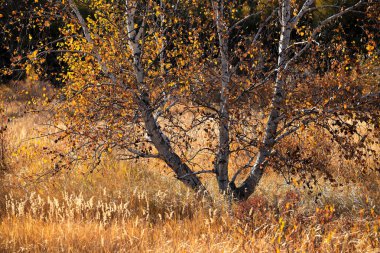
(134,207)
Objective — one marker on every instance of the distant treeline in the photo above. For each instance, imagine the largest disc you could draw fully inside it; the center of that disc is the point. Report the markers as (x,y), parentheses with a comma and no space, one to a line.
(18,37)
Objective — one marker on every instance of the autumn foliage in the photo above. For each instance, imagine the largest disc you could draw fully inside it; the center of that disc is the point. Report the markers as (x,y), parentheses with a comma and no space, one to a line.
(249,122)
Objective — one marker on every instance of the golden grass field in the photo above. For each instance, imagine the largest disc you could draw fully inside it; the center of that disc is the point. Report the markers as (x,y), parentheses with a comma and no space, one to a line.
(136,207)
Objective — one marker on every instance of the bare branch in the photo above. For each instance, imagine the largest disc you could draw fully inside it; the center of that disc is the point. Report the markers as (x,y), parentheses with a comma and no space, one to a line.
(197,173)
(241,21)
(143,154)
(258,33)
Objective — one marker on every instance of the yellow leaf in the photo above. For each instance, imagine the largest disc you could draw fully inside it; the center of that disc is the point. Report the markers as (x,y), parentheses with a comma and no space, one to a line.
(370,47)
(34,54)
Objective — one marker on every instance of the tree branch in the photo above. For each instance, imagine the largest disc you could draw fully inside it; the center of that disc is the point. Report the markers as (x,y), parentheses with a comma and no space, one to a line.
(241,21)
(143,154)
(196,173)
(300,14)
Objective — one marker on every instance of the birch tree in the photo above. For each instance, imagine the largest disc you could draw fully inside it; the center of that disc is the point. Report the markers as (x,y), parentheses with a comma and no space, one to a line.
(149,79)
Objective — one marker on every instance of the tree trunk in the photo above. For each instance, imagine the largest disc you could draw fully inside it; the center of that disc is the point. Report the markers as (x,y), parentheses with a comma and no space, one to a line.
(257,171)
(158,138)
(221,163)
